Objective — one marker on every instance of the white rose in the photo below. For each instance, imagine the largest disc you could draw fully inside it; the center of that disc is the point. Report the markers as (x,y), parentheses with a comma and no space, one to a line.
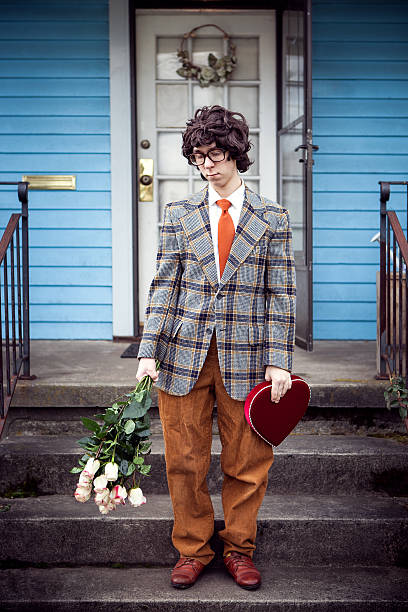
(136,497)
(82,494)
(105,508)
(102,497)
(118,495)
(207,73)
(85,479)
(100,482)
(111,471)
(92,466)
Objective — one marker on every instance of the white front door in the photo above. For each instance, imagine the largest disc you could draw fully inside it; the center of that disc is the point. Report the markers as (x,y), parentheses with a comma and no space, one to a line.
(165,101)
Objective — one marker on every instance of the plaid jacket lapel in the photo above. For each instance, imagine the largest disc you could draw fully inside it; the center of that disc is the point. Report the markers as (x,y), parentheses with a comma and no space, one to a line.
(250,229)
(197,227)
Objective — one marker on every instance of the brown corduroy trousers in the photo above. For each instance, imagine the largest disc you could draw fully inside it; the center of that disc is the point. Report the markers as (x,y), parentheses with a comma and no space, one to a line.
(245,461)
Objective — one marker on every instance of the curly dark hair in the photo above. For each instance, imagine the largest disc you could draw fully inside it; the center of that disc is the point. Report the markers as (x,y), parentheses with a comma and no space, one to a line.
(228,129)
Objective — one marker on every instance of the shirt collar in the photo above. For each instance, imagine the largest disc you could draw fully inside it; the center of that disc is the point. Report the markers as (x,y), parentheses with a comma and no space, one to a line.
(236,197)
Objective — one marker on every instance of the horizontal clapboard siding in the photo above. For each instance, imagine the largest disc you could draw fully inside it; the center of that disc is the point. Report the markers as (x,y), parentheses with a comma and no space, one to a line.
(360,121)
(54,119)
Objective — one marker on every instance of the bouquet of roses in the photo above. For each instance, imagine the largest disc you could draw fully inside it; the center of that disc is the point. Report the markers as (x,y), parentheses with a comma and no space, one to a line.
(116,451)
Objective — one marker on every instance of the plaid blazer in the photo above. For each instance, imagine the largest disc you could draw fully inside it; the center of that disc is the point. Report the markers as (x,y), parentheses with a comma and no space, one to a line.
(252,309)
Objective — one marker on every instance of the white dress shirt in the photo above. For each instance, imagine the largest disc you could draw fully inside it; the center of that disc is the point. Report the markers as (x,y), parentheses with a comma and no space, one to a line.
(237,199)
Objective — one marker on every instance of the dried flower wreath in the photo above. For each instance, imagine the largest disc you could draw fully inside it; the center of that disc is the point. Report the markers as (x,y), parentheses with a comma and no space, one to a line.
(218,69)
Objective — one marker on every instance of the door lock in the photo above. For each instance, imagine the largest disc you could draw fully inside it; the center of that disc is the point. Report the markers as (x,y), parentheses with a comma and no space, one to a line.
(146,180)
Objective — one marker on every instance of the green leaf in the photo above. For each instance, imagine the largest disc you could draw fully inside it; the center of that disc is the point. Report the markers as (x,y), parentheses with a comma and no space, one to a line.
(144,446)
(129,426)
(145,469)
(139,396)
(90,424)
(142,423)
(148,402)
(111,417)
(144,434)
(181,72)
(85,442)
(75,470)
(135,410)
(131,469)
(212,60)
(138,460)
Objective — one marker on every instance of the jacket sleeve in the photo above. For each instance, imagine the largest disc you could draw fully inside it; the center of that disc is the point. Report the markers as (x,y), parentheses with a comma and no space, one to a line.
(280,296)
(163,292)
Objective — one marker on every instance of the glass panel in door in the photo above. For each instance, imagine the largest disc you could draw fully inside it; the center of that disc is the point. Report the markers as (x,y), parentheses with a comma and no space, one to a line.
(295,156)
(178,99)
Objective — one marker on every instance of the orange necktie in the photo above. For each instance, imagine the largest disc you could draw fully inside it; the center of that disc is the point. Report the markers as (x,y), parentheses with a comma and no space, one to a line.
(226,233)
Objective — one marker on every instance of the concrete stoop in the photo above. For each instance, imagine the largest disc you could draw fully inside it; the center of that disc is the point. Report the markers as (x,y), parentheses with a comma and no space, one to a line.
(292,529)
(283,589)
(332,533)
(303,463)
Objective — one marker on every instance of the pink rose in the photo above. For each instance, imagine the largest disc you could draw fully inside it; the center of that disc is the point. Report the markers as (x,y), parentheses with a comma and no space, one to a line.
(118,495)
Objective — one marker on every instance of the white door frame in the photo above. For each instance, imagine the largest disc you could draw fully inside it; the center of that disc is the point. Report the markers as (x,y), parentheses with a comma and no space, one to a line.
(121,169)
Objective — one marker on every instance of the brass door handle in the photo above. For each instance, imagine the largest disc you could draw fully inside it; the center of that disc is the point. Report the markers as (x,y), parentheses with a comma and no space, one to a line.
(146,180)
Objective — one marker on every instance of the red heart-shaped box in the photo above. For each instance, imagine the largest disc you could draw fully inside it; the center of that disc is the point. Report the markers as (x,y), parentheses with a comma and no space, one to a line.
(273,421)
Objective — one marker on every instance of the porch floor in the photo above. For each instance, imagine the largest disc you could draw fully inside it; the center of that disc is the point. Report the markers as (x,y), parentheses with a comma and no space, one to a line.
(92,372)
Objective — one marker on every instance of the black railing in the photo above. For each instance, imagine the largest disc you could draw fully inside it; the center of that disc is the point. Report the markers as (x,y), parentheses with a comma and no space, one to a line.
(393,313)
(7,244)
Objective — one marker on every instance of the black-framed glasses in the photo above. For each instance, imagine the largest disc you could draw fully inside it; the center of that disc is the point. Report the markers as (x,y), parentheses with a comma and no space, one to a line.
(216,155)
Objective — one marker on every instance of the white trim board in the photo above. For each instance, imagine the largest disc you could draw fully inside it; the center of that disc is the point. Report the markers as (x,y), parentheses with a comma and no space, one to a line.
(121,169)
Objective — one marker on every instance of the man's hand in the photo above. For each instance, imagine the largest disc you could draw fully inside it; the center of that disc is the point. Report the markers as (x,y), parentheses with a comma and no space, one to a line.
(281,381)
(147,366)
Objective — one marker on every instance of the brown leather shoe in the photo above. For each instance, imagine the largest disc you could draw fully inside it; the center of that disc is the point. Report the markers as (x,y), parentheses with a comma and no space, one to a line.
(185,572)
(243,570)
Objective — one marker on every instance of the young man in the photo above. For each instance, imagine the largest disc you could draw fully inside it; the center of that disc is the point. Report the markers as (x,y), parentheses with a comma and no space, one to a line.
(220,319)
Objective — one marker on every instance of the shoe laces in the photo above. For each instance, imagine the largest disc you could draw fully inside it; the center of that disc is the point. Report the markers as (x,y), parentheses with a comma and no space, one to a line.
(187,561)
(240,560)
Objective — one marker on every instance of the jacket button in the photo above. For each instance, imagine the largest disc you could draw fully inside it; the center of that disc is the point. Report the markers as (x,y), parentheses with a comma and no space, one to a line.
(219,296)
(209,331)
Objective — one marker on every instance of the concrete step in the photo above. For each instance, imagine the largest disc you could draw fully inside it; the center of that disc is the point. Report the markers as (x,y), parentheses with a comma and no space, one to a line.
(303,463)
(283,589)
(325,419)
(302,529)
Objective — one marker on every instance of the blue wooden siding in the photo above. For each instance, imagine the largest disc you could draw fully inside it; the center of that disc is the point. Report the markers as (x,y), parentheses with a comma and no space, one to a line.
(54,119)
(360,115)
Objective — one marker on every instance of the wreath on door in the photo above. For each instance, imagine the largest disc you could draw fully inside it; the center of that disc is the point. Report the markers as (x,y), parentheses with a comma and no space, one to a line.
(217,71)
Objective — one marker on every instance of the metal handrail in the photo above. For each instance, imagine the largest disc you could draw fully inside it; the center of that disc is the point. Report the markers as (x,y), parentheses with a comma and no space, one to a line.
(392,327)
(23,359)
